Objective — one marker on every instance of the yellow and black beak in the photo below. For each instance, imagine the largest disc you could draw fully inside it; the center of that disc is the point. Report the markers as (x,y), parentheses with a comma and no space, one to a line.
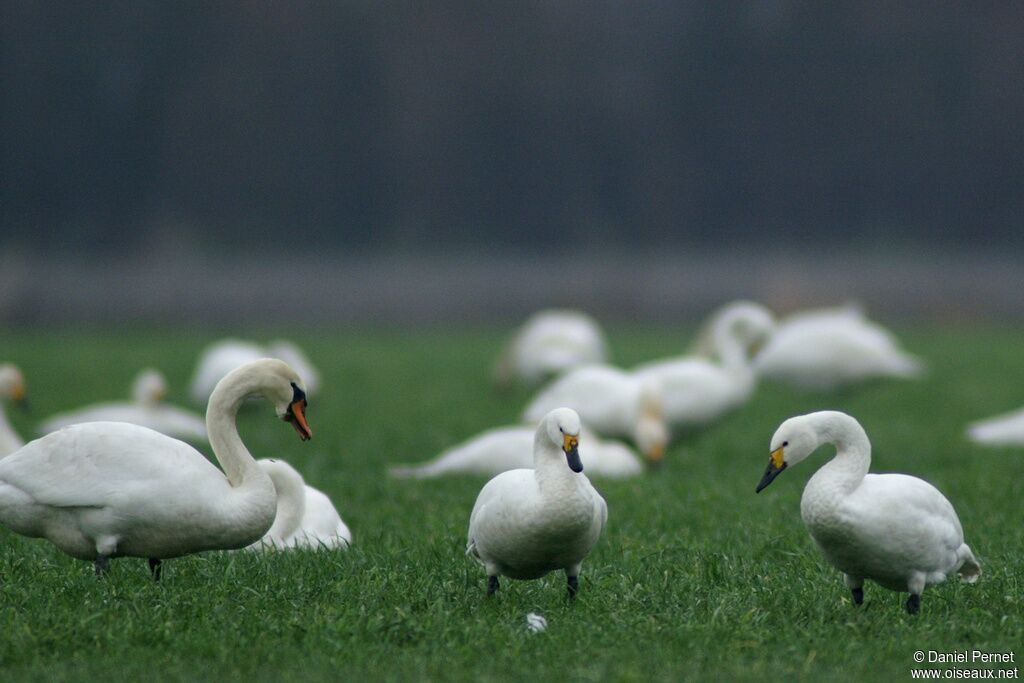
(297,413)
(20,397)
(571,446)
(776,463)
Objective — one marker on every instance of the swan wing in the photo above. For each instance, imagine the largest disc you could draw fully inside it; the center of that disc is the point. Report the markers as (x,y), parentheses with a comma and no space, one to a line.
(606,398)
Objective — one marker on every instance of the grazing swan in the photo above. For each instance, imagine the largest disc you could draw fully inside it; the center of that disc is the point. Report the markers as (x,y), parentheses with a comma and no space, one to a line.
(696,391)
(12,387)
(509,448)
(548,344)
(223,356)
(527,523)
(146,410)
(1002,430)
(610,401)
(108,489)
(305,518)
(829,348)
(897,530)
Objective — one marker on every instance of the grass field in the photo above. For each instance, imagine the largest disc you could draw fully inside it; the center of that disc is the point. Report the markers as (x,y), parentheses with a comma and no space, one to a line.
(695,577)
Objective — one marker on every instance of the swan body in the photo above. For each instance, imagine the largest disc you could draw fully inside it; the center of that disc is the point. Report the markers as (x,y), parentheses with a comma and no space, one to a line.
(100,490)
(528,522)
(508,448)
(1002,430)
(696,390)
(145,410)
(896,530)
(12,388)
(549,343)
(223,356)
(610,401)
(305,517)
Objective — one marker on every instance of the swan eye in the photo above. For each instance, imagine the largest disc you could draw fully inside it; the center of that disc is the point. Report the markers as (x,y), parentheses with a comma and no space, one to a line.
(785,443)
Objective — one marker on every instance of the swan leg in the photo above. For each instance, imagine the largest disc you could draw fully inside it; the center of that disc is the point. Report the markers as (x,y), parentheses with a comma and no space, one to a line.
(492,585)
(856,587)
(913,603)
(572,575)
(154,568)
(915,587)
(100,565)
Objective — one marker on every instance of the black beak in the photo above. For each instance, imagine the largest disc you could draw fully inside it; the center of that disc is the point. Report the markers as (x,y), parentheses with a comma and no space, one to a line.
(769,475)
(572,457)
(23,404)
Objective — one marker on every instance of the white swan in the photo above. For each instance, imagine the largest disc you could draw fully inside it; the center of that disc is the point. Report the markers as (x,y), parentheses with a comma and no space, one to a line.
(146,410)
(695,390)
(508,448)
(220,358)
(108,489)
(12,387)
(529,522)
(305,517)
(1002,430)
(829,348)
(549,343)
(894,529)
(610,401)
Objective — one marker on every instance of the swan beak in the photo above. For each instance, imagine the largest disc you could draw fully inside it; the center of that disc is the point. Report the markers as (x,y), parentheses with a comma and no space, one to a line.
(655,455)
(297,416)
(20,397)
(776,463)
(570,444)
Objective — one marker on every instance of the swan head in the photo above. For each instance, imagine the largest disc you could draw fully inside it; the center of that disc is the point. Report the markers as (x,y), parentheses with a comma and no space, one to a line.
(278,383)
(750,323)
(149,387)
(794,440)
(562,426)
(651,433)
(12,384)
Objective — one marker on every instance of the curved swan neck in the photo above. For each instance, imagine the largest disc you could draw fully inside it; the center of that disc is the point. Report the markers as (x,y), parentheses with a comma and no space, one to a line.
(553,474)
(291,498)
(231,453)
(730,349)
(853,450)
(9,439)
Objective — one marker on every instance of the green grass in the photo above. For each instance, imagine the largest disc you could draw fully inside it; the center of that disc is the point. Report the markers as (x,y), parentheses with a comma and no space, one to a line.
(696,576)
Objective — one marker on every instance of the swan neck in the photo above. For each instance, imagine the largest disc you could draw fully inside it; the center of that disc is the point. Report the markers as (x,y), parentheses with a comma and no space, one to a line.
(853,452)
(730,349)
(231,453)
(554,478)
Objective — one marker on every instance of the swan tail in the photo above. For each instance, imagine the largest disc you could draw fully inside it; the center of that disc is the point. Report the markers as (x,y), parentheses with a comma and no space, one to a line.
(412,471)
(970,570)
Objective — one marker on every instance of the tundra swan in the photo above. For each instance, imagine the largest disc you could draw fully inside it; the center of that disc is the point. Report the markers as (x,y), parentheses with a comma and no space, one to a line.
(529,522)
(897,530)
(101,490)
(1002,430)
(147,409)
(305,516)
(549,343)
(220,358)
(12,387)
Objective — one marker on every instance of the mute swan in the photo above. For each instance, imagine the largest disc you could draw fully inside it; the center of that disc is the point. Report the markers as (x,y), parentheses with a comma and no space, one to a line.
(549,343)
(610,401)
(146,410)
(897,530)
(508,448)
(305,516)
(12,387)
(1003,430)
(101,490)
(696,390)
(526,523)
(223,356)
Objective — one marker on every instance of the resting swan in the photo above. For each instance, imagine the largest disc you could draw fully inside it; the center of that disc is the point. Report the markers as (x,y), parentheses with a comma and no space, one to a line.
(305,517)
(529,522)
(220,358)
(1002,430)
(12,387)
(696,391)
(897,530)
(549,343)
(101,490)
(147,409)
(508,448)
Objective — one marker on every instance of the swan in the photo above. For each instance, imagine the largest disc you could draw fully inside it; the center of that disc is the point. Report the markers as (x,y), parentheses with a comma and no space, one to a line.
(12,387)
(508,448)
(220,358)
(695,390)
(145,410)
(1003,430)
(612,402)
(549,343)
(529,522)
(897,530)
(102,490)
(305,516)
(829,348)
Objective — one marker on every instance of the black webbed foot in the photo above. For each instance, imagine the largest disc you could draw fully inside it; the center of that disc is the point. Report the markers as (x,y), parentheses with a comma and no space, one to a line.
(154,568)
(858,595)
(913,604)
(492,585)
(574,586)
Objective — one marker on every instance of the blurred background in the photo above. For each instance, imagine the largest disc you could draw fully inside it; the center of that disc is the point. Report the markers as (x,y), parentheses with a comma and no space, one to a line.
(406,163)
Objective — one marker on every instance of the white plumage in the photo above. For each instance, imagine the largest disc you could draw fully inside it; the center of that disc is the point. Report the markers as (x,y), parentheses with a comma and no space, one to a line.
(305,516)
(896,530)
(1002,430)
(12,388)
(529,522)
(549,343)
(220,358)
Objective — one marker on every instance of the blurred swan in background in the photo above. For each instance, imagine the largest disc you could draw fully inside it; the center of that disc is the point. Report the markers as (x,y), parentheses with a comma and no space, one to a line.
(147,409)
(1003,430)
(305,517)
(12,388)
(549,343)
(508,448)
(221,357)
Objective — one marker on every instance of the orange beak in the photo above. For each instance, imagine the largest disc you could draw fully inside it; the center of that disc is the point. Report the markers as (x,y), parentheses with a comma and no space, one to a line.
(297,416)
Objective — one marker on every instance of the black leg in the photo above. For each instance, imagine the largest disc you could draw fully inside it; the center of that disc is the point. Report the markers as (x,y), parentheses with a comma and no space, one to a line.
(100,565)
(492,585)
(574,586)
(858,596)
(154,568)
(913,604)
